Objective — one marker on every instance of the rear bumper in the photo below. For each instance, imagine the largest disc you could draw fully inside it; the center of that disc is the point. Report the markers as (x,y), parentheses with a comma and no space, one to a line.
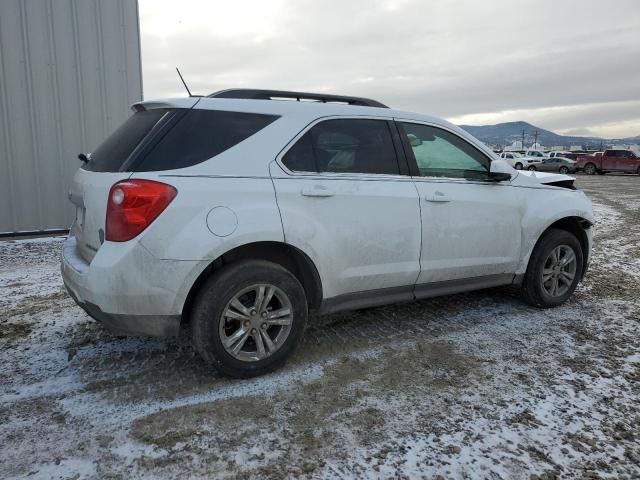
(154,325)
(127,289)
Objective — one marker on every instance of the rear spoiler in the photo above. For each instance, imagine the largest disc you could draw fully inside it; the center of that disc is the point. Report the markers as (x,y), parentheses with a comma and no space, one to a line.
(168,103)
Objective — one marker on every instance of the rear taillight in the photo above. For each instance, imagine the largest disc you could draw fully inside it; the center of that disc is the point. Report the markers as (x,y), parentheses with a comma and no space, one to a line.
(133,205)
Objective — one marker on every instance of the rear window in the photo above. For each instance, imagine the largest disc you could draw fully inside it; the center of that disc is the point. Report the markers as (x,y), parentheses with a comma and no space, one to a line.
(116,149)
(200,135)
(179,138)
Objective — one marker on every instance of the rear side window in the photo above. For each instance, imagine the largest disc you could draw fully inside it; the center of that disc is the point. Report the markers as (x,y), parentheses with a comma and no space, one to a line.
(200,135)
(114,151)
(345,146)
(619,153)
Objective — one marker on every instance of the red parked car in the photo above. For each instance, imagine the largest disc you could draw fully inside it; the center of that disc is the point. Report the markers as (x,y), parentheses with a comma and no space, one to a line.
(610,161)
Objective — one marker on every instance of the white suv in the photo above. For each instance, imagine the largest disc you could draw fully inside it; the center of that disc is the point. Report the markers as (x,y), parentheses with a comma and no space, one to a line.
(519,161)
(232,216)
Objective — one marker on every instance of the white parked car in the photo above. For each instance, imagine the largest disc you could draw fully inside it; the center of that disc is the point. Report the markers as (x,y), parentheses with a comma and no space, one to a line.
(519,161)
(535,154)
(232,217)
(558,153)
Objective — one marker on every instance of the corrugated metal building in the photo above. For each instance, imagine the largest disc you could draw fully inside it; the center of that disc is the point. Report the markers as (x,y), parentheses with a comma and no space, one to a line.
(69,69)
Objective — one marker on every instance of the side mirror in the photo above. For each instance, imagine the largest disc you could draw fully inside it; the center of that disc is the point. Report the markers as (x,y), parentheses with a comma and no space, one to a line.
(413,140)
(499,176)
(484,176)
(500,171)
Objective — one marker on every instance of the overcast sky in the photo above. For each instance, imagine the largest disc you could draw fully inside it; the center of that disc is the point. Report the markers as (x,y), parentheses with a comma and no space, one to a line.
(568,66)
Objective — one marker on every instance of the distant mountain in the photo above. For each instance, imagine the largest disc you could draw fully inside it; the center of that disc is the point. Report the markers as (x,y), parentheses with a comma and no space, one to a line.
(635,140)
(507,133)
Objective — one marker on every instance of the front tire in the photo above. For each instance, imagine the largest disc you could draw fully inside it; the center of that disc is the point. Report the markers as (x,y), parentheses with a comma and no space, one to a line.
(532,168)
(554,270)
(248,318)
(563,170)
(590,169)
(518,166)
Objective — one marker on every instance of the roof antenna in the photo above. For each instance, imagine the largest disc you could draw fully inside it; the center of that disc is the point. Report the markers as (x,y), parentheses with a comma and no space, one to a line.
(183,82)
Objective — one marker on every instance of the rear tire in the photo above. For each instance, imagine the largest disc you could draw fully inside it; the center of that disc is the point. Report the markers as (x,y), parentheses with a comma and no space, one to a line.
(563,170)
(518,166)
(532,168)
(590,169)
(554,270)
(240,323)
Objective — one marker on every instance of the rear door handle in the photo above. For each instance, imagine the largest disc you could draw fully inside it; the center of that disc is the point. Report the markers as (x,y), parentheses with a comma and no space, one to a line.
(437,197)
(317,191)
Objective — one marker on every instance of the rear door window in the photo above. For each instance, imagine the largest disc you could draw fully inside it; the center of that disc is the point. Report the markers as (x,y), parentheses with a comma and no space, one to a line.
(112,154)
(200,135)
(300,157)
(345,146)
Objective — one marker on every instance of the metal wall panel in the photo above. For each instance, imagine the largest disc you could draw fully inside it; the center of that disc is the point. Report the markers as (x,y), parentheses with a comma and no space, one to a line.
(69,69)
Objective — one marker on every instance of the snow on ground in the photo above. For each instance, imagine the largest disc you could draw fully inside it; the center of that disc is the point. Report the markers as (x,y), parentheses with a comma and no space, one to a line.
(467,386)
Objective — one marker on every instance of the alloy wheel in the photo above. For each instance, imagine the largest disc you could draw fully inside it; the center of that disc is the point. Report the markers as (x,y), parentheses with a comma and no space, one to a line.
(564,170)
(256,322)
(559,271)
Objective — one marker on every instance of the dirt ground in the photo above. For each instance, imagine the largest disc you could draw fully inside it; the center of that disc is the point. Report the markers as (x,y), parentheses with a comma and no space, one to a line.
(466,386)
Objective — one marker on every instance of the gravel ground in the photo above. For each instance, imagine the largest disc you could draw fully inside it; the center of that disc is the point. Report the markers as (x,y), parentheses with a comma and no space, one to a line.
(466,386)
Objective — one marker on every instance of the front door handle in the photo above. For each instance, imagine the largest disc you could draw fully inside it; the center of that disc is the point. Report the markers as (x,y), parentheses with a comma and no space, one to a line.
(437,197)
(317,191)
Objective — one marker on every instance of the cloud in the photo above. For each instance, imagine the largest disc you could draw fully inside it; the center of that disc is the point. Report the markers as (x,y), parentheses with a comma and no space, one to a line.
(540,58)
(579,132)
(609,119)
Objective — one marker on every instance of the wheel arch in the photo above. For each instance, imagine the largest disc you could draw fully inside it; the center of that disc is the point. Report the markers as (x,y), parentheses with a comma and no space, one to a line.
(578,227)
(595,166)
(283,254)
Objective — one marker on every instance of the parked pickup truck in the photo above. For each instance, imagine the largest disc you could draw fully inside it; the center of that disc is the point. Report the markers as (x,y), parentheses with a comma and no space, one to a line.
(610,161)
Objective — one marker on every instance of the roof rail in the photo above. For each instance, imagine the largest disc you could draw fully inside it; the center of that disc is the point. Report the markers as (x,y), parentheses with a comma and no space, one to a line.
(253,94)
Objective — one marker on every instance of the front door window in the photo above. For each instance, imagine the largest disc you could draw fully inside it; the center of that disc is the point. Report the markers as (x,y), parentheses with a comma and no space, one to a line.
(439,153)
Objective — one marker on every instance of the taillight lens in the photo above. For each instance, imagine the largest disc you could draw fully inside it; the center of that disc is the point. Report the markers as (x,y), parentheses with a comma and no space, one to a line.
(133,205)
